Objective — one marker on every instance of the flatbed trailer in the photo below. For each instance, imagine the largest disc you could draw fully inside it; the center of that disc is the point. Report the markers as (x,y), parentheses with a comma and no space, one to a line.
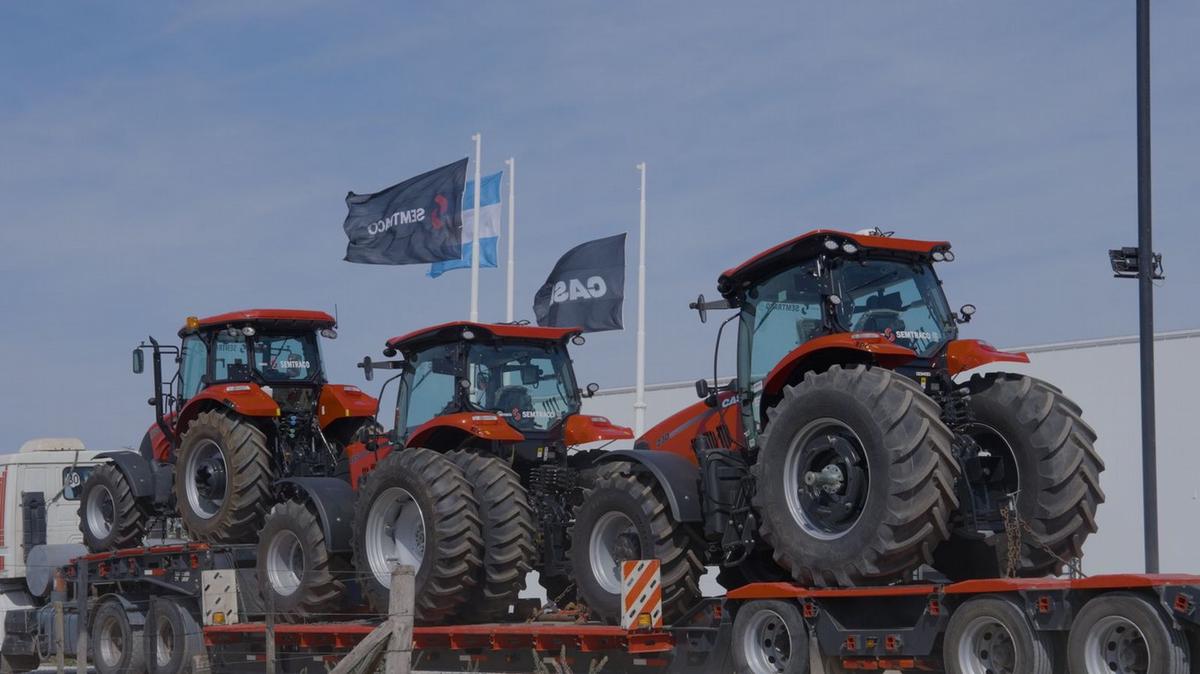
(191,601)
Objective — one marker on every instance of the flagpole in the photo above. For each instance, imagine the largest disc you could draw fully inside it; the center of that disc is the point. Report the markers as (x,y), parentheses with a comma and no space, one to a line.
(639,405)
(512,233)
(478,138)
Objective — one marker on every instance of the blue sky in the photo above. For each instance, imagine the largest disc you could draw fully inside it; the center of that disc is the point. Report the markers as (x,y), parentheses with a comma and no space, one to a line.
(167,159)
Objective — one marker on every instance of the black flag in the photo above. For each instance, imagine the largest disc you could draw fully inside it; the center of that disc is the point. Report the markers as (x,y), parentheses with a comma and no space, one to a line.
(586,288)
(413,222)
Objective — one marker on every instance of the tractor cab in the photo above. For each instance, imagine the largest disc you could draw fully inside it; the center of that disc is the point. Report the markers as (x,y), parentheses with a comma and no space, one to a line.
(472,384)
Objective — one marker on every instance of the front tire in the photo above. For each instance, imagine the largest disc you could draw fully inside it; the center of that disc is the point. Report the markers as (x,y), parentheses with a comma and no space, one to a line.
(624,516)
(1041,434)
(296,572)
(416,508)
(854,478)
(223,478)
(110,518)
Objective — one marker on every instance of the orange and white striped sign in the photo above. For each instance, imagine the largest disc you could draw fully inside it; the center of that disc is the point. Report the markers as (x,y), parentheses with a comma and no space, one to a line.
(641,594)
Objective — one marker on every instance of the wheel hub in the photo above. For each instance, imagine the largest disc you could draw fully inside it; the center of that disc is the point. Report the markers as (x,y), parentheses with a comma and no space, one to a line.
(395,533)
(987,647)
(614,540)
(1115,644)
(101,511)
(826,479)
(767,643)
(206,479)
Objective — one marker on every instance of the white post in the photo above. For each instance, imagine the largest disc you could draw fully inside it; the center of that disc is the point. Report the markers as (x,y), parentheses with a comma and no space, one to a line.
(512,233)
(639,404)
(478,138)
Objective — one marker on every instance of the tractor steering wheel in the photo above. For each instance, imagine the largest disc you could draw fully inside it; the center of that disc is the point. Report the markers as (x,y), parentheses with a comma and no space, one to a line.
(885,318)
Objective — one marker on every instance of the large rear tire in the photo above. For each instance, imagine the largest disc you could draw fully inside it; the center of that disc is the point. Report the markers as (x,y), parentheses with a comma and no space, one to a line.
(508,534)
(296,572)
(110,518)
(1040,432)
(855,478)
(625,516)
(416,508)
(223,478)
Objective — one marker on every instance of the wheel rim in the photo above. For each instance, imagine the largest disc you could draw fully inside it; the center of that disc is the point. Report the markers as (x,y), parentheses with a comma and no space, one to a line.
(205,476)
(1115,644)
(111,648)
(614,539)
(987,647)
(285,563)
(999,460)
(101,511)
(164,638)
(826,479)
(395,533)
(767,643)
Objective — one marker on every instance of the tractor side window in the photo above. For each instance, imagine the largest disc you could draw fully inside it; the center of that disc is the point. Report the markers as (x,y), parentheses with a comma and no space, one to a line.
(785,312)
(195,365)
(231,362)
(431,391)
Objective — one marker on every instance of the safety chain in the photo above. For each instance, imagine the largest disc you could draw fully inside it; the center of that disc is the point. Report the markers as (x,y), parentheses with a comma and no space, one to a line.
(1014,525)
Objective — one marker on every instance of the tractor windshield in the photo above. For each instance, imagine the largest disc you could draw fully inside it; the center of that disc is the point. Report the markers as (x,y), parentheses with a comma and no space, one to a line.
(277,358)
(530,384)
(903,301)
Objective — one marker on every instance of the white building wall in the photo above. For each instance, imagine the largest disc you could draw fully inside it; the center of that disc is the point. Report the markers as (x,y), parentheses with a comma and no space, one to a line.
(1102,376)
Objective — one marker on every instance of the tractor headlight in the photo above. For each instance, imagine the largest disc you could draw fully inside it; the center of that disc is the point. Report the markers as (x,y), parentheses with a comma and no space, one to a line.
(249,331)
(939,256)
(949,256)
(849,248)
(830,244)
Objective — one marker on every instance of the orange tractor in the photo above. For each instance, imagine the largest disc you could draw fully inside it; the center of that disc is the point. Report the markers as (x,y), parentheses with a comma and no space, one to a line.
(849,449)
(479,479)
(248,435)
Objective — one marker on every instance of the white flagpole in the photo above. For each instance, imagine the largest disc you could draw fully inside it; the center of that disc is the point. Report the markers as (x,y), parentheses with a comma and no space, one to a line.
(639,405)
(512,233)
(478,138)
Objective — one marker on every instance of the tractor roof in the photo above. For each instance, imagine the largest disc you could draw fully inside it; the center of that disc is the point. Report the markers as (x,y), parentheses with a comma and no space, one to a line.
(452,332)
(809,245)
(278,319)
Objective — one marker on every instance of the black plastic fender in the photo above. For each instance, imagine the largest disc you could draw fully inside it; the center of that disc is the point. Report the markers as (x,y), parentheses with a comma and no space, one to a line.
(137,616)
(678,477)
(136,470)
(333,501)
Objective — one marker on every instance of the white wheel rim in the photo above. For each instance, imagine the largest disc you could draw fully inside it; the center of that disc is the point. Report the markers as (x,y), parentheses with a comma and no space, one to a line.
(767,643)
(987,647)
(1115,644)
(395,533)
(285,563)
(101,511)
(799,462)
(112,641)
(206,479)
(614,539)
(164,638)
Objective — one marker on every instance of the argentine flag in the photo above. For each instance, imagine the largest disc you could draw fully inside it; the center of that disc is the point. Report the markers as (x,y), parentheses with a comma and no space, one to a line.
(489,226)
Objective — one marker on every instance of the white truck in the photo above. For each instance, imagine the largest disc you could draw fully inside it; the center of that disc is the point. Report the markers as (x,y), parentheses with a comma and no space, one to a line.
(39,532)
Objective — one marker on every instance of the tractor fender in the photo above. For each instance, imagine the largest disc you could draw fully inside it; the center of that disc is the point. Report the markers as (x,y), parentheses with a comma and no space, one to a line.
(836,349)
(968,354)
(136,469)
(332,500)
(340,402)
(678,477)
(485,426)
(247,399)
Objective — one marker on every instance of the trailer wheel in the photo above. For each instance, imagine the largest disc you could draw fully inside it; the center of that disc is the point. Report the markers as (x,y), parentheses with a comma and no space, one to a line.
(770,637)
(416,508)
(174,637)
(118,645)
(1044,450)
(624,516)
(110,518)
(989,635)
(1126,634)
(508,531)
(855,477)
(223,478)
(296,572)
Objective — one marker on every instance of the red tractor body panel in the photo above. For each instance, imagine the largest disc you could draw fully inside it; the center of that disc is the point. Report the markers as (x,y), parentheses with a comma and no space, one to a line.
(341,401)
(298,318)
(968,354)
(483,425)
(678,432)
(581,429)
(245,398)
(836,348)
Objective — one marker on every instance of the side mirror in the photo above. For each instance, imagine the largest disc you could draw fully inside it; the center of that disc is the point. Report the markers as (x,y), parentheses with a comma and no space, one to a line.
(701,308)
(702,388)
(139,361)
(368,368)
(965,313)
(592,389)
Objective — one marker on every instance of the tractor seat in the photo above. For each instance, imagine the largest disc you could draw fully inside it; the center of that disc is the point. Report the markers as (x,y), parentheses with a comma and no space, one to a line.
(888,308)
(514,398)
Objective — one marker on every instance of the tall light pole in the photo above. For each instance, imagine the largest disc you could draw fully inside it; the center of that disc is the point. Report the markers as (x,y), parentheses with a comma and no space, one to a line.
(478,138)
(512,234)
(639,404)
